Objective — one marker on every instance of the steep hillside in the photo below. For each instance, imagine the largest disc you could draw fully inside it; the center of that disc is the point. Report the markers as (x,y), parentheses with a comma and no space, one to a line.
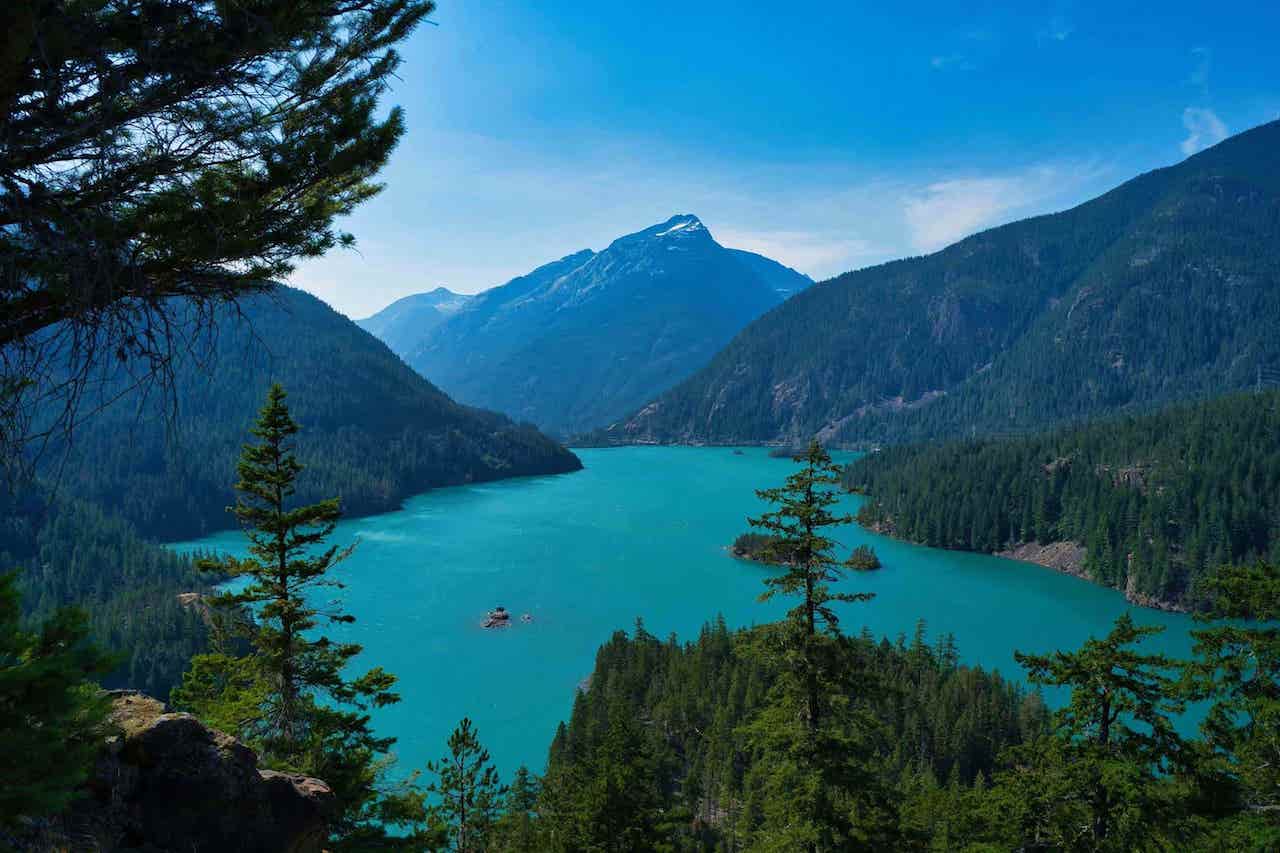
(1148,505)
(70,552)
(1163,288)
(581,341)
(402,324)
(373,431)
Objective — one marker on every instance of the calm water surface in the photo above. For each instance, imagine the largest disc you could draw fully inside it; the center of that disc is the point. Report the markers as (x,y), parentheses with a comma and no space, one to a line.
(641,532)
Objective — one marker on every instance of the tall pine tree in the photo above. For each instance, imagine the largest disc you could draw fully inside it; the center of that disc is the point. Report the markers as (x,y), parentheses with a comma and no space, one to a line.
(814,757)
(468,791)
(290,698)
(1103,782)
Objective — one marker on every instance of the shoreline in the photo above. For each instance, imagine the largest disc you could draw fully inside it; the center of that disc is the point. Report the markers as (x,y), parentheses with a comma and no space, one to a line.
(1064,557)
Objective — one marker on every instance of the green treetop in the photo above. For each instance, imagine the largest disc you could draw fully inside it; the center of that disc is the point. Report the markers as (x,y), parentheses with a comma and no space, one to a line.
(797,542)
(1238,667)
(290,698)
(286,562)
(816,787)
(51,714)
(1102,782)
(470,794)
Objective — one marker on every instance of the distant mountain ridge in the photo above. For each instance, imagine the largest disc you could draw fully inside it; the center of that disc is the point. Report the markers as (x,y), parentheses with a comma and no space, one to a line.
(582,340)
(402,323)
(1166,288)
(373,431)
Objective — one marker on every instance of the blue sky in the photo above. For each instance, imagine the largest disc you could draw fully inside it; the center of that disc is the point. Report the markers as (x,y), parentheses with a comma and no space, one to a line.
(829,136)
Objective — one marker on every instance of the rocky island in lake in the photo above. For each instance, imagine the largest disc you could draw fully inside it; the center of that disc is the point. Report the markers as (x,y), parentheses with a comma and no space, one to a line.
(498,617)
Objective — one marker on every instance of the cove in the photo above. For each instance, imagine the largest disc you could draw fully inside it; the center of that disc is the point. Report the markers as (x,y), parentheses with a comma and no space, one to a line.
(641,532)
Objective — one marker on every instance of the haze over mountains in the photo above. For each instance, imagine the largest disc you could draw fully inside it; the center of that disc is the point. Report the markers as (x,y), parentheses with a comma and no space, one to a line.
(402,323)
(582,340)
(1165,288)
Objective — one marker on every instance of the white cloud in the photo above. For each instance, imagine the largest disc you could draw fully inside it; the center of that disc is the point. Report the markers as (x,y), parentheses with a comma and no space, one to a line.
(803,250)
(1204,129)
(946,211)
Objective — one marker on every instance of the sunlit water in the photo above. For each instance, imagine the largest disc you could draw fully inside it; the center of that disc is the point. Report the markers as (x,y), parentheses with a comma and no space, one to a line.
(641,532)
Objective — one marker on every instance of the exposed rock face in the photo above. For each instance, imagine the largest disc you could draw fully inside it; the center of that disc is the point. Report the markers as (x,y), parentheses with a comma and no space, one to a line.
(1069,557)
(169,783)
(499,617)
(1065,557)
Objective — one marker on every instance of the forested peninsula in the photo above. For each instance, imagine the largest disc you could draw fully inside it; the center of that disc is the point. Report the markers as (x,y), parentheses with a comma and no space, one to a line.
(1150,505)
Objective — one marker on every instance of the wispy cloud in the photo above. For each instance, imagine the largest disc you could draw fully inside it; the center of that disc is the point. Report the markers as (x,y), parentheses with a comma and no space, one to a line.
(952,62)
(1204,128)
(1200,73)
(945,211)
(804,250)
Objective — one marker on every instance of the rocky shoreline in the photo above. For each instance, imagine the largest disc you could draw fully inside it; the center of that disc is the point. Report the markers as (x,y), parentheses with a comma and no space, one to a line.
(1069,558)
(1065,557)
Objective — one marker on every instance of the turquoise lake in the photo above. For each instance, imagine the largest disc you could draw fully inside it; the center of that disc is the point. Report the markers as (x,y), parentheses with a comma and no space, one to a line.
(641,532)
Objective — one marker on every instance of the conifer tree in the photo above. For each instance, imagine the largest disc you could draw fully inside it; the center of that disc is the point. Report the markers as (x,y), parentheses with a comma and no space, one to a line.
(470,794)
(516,831)
(291,698)
(51,714)
(1238,667)
(814,754)
(173,149)
(1103,782)
(797,542)
(287,564)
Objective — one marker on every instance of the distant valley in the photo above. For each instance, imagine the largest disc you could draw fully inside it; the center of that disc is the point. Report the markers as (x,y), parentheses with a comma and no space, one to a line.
(579,342)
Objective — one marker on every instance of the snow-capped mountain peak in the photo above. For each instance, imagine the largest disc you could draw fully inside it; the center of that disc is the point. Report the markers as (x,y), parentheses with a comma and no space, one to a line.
(681,225)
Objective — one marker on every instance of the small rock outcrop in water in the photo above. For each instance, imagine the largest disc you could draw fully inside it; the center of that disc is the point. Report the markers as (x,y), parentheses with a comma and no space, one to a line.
(498,617)
(169,783)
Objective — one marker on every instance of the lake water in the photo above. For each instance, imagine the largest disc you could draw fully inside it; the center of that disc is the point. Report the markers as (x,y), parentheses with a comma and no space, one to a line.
(641,532)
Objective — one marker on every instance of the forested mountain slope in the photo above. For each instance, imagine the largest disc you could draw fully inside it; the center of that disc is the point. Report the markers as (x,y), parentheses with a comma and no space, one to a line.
(373,431)
(1157,502)
(70,552)
(579,342)
(1167,287)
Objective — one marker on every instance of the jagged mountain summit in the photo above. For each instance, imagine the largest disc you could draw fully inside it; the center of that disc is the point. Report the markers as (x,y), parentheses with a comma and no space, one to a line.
(580,341)
(1165,288)
(404,321)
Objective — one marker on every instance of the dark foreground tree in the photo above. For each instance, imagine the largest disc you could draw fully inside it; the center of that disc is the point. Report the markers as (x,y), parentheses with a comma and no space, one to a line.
(291,697)
(51,713)
(1105,780)
(468,791)
(517,828)
(186,148)
(1238,667)
(814,754)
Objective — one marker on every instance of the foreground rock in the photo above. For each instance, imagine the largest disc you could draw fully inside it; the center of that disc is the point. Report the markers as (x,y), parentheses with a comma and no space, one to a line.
(169,783)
